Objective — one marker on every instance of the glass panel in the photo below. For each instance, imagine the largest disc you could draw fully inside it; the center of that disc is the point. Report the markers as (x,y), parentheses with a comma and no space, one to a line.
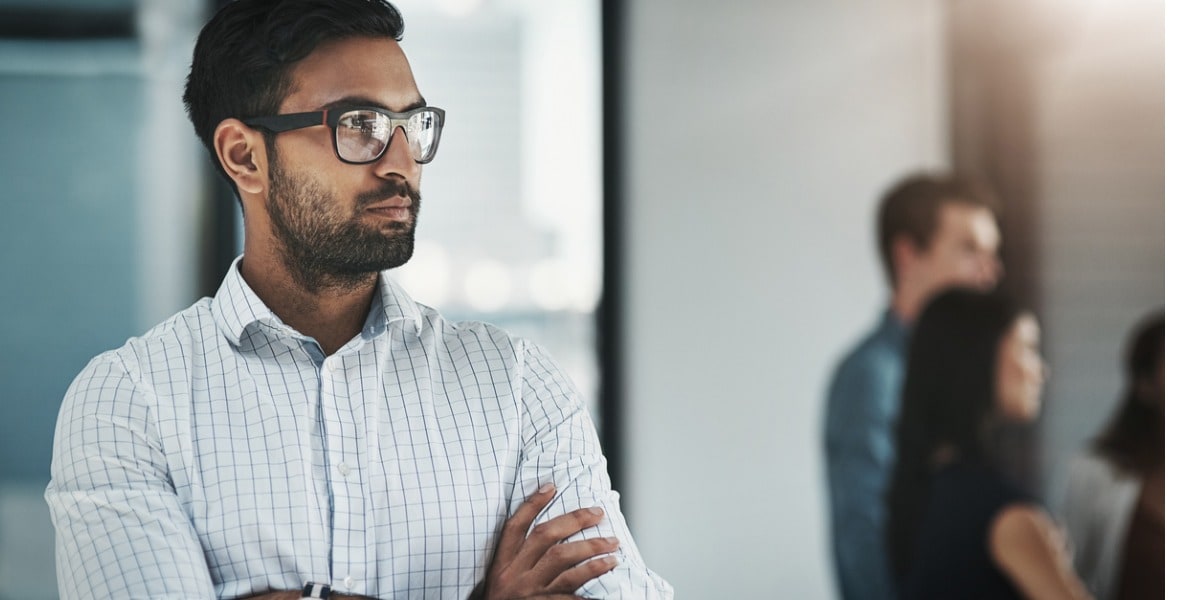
(510,229)
(68,241)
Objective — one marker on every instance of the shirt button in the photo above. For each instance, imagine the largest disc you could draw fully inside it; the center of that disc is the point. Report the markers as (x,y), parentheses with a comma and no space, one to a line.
(344,469)
(349,582)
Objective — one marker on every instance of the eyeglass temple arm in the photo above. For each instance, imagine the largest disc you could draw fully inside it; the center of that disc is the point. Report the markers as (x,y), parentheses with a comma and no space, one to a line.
(281,123)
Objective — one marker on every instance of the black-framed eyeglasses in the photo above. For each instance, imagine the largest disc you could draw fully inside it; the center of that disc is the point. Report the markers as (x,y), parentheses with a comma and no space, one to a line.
(362,134)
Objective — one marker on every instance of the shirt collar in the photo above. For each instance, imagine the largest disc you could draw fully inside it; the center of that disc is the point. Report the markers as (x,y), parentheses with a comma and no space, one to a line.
(395,303)
(235,307)
(893,328)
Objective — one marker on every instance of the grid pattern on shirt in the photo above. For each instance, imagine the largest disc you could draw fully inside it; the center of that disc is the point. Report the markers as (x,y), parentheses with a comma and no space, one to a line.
(223,454)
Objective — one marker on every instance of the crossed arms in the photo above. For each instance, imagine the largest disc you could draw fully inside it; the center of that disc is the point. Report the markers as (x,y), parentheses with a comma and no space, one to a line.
(542,565)
(126,499)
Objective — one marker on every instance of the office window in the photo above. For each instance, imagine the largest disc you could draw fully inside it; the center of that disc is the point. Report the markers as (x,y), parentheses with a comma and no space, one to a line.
(510,225)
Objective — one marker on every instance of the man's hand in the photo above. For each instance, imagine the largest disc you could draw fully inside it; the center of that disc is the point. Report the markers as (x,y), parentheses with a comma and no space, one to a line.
(540,566)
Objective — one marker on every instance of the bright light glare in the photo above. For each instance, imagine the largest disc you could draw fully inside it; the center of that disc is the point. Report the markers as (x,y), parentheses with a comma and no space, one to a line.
(547,285)
(427,276)
(459,8)
(487,285)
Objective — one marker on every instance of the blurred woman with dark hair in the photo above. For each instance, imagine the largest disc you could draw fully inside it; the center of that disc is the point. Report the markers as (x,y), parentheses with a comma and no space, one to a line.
(1114,508)
(957,528)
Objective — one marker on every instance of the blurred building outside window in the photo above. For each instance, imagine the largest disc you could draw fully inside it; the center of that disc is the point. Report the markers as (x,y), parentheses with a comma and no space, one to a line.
(510,228)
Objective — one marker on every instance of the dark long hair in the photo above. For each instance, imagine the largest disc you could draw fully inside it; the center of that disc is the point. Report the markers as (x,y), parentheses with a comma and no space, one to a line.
(1133,439)
(948,401)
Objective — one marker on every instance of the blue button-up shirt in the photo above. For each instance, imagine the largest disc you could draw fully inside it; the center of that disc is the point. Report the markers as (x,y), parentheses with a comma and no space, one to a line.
(223,454)
(863,402)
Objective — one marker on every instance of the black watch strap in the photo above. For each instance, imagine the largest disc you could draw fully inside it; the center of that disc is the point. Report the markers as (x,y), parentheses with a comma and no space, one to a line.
(316,590)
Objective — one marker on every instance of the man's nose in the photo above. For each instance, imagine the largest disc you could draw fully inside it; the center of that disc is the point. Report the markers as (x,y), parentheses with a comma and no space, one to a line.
(397,159)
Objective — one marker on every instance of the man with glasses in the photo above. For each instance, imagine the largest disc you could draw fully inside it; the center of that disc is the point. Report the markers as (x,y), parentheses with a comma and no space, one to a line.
(311,431)
(935,231)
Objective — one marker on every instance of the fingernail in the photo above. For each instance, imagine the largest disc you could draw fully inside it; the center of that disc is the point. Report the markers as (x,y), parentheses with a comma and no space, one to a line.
(612,540)
(546,488)
(611,560)
(596,510)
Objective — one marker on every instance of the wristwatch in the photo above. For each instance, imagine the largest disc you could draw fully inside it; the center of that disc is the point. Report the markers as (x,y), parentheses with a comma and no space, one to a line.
(316,590)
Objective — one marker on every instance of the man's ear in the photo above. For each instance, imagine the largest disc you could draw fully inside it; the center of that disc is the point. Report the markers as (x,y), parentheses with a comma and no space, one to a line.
(243,154)
(904,252)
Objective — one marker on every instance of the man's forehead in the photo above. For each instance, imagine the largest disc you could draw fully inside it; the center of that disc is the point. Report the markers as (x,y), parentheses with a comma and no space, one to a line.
(964,211)
(372,70)
(964,218)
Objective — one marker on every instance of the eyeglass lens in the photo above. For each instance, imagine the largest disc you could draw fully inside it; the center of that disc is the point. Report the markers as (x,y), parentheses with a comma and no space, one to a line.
(363,135)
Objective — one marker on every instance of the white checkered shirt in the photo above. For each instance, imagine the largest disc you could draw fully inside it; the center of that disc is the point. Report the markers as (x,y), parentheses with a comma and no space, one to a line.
(222,454)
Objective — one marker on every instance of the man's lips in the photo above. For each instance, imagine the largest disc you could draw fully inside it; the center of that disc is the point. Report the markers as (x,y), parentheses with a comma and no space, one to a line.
(397,210)
(396,213)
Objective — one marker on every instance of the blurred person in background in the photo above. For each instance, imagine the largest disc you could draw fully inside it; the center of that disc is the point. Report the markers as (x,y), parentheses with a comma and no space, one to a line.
(1114,508)
(311,426)
(957,527)
(934,231)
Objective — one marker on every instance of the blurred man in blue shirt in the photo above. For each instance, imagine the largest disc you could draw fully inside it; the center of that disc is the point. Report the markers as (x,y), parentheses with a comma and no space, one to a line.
(934,232)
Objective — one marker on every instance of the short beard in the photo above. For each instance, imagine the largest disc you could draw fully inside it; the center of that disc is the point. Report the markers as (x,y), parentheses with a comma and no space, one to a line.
(322,252)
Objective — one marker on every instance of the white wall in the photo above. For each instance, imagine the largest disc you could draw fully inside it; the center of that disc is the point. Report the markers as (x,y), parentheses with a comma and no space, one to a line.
(759,137)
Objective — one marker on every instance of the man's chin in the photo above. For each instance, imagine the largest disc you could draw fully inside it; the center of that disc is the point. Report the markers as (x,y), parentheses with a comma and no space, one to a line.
(390,262)
(375,251)
(396,227)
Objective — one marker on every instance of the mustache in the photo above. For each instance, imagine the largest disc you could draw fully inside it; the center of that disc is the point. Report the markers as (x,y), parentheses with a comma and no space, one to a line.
(390,190)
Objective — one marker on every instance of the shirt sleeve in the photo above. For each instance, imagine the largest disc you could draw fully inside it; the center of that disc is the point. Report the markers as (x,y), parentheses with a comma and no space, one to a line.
(858,455)
(120,529)
(1096,508)
(560,445)
(1075,508)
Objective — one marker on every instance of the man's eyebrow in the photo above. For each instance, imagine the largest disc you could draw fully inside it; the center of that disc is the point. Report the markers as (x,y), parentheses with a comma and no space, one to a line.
(365,101)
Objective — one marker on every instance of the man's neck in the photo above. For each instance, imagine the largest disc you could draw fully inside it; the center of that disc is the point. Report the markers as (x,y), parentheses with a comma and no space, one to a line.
(331,312)
(906,305)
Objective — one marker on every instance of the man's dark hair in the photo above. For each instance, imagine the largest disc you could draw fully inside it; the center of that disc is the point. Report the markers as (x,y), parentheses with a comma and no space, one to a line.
(949,400)
(911,208)
(244,56)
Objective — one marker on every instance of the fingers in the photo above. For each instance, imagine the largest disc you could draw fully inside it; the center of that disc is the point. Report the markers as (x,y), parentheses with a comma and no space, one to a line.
(570,565)
(574,578)
(513,534)
(550,533)
(543,562)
